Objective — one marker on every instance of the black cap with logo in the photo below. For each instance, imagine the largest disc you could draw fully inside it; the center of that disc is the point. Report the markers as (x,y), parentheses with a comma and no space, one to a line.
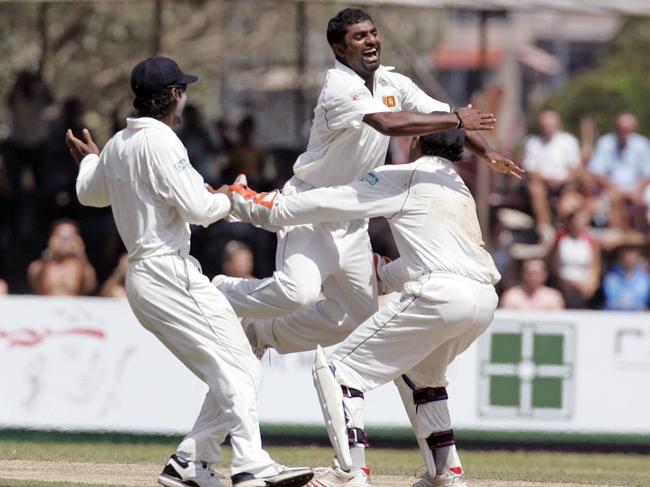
(157,73)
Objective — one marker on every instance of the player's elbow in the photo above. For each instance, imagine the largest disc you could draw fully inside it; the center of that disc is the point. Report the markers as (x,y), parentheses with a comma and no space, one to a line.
(384,123)
(87,198)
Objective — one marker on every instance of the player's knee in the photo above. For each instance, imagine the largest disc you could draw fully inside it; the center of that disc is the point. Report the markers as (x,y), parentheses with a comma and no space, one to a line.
(301,294)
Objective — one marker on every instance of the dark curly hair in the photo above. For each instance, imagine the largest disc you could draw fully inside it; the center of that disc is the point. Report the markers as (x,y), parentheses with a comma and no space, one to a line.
(155,105)
(446,143)
(337,26)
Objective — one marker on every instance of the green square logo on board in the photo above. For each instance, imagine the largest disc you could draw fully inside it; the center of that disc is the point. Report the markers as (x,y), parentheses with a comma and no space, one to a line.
(527,369)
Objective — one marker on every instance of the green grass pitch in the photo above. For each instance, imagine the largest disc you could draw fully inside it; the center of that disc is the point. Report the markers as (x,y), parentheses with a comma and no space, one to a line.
(542,467)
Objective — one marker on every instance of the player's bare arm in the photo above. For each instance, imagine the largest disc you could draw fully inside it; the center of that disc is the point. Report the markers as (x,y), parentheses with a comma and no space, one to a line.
(81,148)
(497,162)
(412,123)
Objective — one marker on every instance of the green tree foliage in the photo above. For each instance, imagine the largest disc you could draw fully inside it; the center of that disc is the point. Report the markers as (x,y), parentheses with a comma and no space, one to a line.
(621,83)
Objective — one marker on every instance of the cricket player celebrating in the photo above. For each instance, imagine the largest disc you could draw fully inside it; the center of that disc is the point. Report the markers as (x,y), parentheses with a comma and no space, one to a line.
(144,174)
(447,301)
(361,105)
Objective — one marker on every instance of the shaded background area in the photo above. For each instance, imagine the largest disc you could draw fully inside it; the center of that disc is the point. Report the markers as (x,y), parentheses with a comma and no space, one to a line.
(262,63)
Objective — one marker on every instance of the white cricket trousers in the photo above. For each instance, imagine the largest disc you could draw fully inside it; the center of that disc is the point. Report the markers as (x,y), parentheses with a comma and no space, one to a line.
(437,317)
(336,256)
(173,300)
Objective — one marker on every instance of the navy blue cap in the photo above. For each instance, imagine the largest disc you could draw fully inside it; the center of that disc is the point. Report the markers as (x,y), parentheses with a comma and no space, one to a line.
(157,73)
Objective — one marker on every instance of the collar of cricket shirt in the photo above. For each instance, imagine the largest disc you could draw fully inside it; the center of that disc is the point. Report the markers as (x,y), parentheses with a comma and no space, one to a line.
(137,123)
(342,67)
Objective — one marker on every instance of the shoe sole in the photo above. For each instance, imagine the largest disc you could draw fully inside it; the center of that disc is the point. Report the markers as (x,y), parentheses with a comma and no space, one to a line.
(282,480)
(291,480)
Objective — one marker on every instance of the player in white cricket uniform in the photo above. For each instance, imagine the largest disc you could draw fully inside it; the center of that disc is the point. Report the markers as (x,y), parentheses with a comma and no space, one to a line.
(144,174)
(360,106)
(447,301)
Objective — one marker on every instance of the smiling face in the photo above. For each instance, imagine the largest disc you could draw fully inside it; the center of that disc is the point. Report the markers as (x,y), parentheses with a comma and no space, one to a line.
(360,49)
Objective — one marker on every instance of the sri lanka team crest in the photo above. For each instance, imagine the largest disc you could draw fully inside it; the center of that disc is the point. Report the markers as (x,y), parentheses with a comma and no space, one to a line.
(389,101)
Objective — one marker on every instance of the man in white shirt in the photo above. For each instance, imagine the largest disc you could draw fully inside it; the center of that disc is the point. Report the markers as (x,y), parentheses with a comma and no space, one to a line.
(361,105)
(145,175)
(448,299)
(552,159)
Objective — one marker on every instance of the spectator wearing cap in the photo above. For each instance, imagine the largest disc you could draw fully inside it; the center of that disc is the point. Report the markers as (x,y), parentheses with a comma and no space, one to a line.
(621,165)
(533,293)
(627,286)
(552,160)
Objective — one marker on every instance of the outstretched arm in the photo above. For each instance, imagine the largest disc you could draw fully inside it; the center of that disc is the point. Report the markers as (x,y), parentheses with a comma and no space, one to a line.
(413,123)
(497,162)
(372,196)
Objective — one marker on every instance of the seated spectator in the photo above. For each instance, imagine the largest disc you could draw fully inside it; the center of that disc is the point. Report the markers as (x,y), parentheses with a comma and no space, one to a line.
(533,293)
(63,268)
(115,285)
(238,260)
(627,285)
(577,261)
(4,288)
(552,159)
(621,165)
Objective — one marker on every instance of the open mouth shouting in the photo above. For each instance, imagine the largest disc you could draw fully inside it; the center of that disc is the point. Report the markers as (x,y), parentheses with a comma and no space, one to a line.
(371,55)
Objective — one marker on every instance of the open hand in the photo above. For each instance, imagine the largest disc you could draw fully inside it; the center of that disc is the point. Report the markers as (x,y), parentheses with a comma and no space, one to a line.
(503,165)
(475,119)
(81,148)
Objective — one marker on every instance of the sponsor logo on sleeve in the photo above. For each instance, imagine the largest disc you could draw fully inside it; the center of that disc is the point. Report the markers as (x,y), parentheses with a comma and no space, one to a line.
(357,95)
(389,101)
(182,164)
(371,178)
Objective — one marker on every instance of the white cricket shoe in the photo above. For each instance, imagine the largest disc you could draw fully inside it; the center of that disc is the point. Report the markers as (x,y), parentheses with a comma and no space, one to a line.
(334,476)
(275,475)
(453,478)
(181,473)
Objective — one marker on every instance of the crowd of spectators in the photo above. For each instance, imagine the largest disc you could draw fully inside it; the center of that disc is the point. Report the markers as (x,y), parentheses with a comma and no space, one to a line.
(579,211)
(573,234)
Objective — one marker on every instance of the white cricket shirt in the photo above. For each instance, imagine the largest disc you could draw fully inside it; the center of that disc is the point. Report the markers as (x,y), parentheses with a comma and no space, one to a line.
(341,147)
(554,158)
(145,175)
(431,213)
